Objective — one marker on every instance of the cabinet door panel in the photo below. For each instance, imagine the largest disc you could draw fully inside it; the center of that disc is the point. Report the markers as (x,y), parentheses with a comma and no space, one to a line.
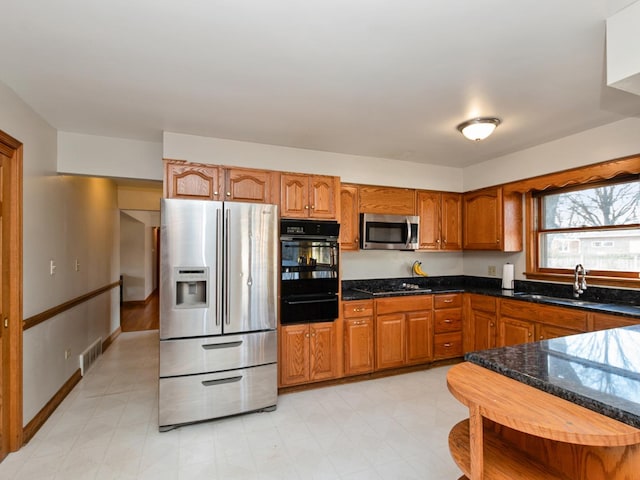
(513,331)
(322,359)
(485,329)
(191,181)
(349,218)
(428,209)
(294,196)
(322,196)
(358,346)
(419,335)
(243,185)
(545,332)
(451,221)
(390,340)
(392,200)
(294,354)
(483,219)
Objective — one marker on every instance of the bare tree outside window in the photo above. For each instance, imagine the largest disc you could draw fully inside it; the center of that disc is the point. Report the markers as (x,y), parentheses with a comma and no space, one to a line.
(597,227)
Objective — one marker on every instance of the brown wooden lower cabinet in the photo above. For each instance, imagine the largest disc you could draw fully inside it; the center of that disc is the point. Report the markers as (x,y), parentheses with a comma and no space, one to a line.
(307,353)
(404,327)
(358,337)
(447,340)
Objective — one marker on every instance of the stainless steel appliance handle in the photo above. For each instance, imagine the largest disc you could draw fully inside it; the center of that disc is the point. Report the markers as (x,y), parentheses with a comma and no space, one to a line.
(218,269)
(210,383)
(408,233)
(215,346)
(299,302)
(227,295)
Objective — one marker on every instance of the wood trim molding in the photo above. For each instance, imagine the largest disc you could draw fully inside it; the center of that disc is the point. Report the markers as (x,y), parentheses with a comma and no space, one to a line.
(111,338)
(36,422)
(12,379)
(52,312)
(579,175)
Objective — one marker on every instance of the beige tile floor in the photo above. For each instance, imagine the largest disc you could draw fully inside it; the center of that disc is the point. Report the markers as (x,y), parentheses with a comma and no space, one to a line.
(390,428)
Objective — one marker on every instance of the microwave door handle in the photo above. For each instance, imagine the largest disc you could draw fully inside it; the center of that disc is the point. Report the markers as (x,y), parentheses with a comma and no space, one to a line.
(408,238)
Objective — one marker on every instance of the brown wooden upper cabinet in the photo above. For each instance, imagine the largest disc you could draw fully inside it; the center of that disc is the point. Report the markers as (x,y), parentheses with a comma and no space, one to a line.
(199,181)
(387,200)
(308,196)
(492,220)
(195,181)
(349,217)
(248,185)
(440,220)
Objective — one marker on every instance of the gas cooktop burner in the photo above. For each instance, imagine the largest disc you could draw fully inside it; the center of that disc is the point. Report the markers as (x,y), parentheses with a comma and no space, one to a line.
(394,289)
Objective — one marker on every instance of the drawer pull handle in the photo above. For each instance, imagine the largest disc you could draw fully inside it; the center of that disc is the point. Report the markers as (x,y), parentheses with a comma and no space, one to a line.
(361,309)
(216,346)
(447,345)
(448,300)
(448,320)
(210,383)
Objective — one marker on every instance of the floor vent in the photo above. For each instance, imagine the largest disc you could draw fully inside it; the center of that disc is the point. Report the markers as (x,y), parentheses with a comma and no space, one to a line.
(90,355)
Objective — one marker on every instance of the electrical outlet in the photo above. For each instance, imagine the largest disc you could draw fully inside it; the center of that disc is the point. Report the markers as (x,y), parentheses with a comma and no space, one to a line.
(52,267)
(67,353)
(492,270)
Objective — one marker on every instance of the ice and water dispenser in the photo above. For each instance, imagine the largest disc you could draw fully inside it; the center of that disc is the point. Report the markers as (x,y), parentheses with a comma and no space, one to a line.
(191,287)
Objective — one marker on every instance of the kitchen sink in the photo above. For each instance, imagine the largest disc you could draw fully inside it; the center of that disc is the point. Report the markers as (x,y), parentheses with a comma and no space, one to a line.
(546,298)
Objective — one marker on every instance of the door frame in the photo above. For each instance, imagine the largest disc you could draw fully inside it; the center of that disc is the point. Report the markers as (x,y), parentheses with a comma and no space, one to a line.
(12,409)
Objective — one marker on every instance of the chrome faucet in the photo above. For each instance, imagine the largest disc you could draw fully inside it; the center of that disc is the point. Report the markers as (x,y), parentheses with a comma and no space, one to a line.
(579,280)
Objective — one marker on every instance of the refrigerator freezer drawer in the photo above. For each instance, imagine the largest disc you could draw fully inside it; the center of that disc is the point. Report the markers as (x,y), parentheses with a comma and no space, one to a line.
(201,397)
(213,354)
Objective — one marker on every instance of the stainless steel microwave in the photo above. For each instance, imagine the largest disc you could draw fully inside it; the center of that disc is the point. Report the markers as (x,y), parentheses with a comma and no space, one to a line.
(389,232)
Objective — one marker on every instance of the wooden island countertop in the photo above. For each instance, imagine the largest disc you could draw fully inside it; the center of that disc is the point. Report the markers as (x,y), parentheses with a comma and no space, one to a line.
(565,408)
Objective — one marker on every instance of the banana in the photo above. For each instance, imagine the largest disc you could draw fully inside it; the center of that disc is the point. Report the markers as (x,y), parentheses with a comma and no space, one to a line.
(417,269)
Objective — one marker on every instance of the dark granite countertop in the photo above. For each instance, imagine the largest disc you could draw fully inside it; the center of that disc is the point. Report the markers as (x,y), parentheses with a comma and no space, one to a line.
(604,300)
(597,370)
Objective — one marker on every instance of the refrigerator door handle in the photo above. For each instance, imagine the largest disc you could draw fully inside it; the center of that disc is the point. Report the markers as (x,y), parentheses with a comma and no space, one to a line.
(218,269)
(215,346)
(225,287)
(210,383)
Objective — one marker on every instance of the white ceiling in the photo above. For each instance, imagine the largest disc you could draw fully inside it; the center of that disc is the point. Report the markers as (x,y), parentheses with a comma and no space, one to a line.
(384,78)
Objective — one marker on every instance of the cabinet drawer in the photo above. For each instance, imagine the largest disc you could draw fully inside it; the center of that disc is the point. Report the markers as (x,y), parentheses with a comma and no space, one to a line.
(210,354)
(483,302)
(448,320)
(453,300)
(447,345)
(603,321)
(354,309)
(564,317)
(519,309)
(201,397)
(410,303)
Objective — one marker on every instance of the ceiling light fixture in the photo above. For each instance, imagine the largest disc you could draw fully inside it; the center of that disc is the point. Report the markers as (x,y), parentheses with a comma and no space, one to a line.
(478,128)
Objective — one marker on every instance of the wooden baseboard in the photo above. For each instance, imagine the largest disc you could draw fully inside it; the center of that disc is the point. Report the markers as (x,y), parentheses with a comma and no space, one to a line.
(34,425)
(111,338)
(139,303)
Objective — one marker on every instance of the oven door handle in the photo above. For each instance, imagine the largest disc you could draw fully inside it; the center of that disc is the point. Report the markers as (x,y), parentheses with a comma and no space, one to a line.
(300,302)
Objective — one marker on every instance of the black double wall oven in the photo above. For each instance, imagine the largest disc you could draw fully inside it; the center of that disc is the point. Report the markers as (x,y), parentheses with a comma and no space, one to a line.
(309,271)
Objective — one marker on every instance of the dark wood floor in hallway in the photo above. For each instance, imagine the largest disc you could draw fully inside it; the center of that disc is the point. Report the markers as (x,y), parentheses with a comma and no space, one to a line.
(141,316)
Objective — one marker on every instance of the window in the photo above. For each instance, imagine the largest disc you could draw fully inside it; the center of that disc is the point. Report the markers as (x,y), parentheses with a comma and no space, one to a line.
(596,225)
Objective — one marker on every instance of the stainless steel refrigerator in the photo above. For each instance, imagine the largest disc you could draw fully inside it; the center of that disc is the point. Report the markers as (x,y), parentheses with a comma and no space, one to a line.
(218,310)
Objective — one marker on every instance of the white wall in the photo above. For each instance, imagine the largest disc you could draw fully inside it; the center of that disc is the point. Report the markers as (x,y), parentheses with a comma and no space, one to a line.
(64,218)
(137,253)
(600,144)
(351,168)
(109,157)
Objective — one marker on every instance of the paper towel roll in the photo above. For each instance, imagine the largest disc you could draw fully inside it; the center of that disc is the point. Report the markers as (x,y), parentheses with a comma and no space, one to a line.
(507,276)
